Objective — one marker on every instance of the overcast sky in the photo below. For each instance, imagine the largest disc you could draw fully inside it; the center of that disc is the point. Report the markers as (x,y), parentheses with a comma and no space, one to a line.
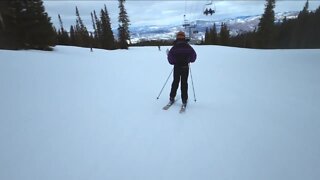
(151,12)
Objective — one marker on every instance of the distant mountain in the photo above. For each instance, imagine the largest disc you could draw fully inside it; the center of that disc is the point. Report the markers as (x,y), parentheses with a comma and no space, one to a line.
(236,25)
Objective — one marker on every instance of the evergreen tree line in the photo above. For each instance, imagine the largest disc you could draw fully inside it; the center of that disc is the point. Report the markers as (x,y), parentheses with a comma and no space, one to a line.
(213,37)
(78,35)
(102,35)
(24,24)
(153,43)
(301,32)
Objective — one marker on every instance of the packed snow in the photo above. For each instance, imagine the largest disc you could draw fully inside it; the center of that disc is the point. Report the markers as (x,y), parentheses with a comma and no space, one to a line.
(72,114)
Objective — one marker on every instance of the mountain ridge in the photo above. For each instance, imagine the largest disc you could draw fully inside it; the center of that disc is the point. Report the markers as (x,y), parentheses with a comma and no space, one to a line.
(236,25)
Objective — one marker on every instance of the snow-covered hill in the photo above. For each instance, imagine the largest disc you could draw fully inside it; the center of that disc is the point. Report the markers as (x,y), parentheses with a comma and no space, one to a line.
(73,114)
(236,25)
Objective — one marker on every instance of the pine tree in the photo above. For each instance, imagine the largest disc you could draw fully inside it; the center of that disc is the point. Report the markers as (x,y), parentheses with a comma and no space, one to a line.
(316,23)
(94,26)
(123,29)
(207,37)
(73,40)
(301,29)
(81,33)
(11,30)
(98,25)
(93,35)
(38,31)
(27,25)
(61,23)
(224,35)
(63,37)
(214,35)
(107,38)
(305,8)
(4,8)
(265,34)
(8,18)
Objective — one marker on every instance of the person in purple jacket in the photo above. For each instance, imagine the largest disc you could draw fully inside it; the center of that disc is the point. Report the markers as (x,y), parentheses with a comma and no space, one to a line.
(180,55)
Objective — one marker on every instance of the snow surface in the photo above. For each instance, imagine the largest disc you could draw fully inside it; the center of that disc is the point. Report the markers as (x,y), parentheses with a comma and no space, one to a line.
(72,114)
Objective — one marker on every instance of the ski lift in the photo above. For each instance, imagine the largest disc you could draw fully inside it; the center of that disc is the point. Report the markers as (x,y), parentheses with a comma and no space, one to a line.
(209,8)
(186,23)
(190,28)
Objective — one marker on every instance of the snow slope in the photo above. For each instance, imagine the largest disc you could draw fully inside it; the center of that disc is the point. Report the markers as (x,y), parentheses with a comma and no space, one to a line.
(72,114)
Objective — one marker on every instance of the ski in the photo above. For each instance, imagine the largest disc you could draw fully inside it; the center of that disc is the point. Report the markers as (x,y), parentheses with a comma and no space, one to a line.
(183,108)
(166,107)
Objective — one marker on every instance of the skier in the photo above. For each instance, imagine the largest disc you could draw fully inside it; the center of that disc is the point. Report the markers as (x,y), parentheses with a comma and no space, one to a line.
(180,55)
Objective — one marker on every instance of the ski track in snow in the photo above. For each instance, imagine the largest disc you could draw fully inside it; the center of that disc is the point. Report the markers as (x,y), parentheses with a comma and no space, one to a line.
(74,114)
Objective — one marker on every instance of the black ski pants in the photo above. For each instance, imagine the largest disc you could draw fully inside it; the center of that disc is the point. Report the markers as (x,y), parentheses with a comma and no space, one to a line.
(180,73)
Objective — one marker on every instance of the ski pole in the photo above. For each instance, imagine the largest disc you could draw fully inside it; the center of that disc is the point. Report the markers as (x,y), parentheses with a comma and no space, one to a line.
(165,83)
(194,94)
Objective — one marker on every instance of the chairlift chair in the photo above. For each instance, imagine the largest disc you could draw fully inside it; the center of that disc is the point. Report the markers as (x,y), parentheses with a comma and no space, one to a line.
(209,8)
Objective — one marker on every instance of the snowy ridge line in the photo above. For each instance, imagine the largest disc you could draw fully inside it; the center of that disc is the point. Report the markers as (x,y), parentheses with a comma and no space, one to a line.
(236,25)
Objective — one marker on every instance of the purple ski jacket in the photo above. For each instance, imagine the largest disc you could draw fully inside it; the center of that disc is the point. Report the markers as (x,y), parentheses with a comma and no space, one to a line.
(181,54)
